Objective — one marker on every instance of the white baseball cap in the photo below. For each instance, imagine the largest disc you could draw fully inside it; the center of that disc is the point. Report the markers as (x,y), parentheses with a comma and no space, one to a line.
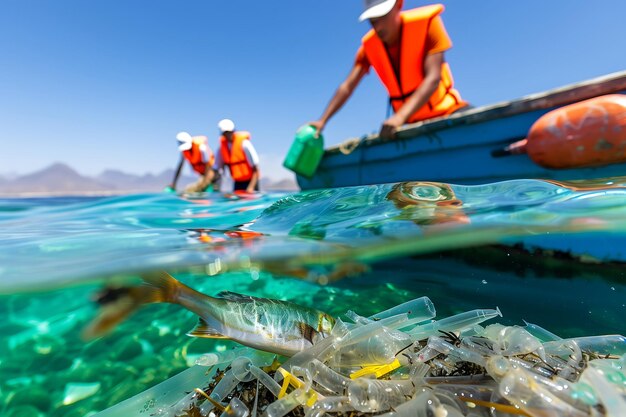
(226,125)
(184,141)
(376,8)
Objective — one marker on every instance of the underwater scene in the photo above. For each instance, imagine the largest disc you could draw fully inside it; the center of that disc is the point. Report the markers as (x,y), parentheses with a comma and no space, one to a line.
(500,299)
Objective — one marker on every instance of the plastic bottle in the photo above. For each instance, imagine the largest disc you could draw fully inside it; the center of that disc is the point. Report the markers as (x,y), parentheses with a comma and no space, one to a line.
(513,340)
(329,405)
(420,308)
(244,370)
(521,389)
(286,404)
(357,319)
(541,333)
(613,370)
(237,408)
(328,378)
(305,152)
(223,388)
(379,349)
(611,399)
(454,323)
(371,396)
(482,392)
(440,345)
(613,344)
(553,389)
(360,333)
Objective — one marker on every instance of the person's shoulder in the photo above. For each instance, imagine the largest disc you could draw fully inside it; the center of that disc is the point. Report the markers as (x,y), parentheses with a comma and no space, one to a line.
(368,35)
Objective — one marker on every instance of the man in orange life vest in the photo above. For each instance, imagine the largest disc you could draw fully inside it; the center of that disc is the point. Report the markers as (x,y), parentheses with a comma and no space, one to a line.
(406,50)
(236,152)
(196,151)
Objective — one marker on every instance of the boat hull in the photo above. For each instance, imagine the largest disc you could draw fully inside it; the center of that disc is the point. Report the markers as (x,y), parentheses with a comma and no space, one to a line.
(458,149)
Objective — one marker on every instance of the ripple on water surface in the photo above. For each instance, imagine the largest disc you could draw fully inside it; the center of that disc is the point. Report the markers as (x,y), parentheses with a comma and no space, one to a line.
(371,248)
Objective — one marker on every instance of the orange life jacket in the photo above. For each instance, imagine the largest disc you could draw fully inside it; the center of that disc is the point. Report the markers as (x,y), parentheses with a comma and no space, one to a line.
(445,99)
(195,156)
(235,157)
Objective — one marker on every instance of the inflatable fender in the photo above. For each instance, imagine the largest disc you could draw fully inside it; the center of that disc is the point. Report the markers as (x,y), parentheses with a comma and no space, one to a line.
(584,134)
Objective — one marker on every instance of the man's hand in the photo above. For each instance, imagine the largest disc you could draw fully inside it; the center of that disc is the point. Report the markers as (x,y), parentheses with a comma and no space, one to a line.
(390,127)
(319,126)
(250,190)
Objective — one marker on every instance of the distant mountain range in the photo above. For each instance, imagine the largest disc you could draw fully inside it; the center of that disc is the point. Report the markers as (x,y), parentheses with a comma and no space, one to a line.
(60,179)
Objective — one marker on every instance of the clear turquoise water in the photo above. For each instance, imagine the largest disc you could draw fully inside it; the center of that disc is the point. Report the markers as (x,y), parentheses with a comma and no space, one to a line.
(361,248)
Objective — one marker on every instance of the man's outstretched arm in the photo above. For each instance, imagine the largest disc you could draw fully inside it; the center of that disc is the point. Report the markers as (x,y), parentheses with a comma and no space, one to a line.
(340,97)
(432,76)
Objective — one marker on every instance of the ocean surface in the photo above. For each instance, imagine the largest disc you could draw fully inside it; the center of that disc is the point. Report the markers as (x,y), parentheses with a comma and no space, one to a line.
(548,253)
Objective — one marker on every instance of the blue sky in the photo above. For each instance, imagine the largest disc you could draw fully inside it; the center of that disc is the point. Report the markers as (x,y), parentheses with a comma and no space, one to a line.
(103,84)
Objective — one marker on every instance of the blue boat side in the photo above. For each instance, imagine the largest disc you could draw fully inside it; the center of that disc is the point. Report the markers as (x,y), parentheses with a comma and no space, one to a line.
(457,149)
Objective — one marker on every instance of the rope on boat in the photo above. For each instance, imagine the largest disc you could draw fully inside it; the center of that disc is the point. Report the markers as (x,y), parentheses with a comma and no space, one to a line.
(349,145)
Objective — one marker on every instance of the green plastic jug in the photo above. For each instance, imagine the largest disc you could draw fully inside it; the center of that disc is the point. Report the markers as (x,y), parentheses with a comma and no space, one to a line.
(305,152)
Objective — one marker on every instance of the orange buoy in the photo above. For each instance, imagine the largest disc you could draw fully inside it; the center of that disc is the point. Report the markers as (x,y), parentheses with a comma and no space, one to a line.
(584,134)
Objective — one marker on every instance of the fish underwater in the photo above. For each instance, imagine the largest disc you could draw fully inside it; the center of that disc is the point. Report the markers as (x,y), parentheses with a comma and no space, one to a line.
(274,326)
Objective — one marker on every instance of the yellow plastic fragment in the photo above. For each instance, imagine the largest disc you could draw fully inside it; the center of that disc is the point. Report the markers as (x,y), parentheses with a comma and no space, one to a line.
(377,370)
(283,389)
(288,379)
(312,399)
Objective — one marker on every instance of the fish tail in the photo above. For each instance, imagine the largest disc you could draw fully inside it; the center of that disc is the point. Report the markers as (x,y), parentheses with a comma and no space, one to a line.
(117,304)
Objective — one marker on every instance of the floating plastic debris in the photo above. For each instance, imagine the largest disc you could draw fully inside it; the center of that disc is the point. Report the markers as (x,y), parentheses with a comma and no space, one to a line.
(388,365)
(75,392)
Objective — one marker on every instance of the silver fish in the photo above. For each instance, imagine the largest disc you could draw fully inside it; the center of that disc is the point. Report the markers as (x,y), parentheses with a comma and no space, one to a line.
(274,326)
